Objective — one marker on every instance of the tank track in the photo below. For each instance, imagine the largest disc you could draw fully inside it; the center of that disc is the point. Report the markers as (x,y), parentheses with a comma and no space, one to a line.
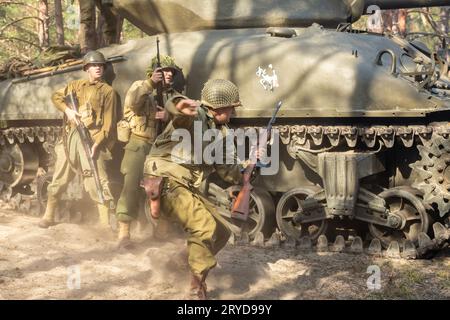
(427,248)
(432,142)
(30,134)
(24,198)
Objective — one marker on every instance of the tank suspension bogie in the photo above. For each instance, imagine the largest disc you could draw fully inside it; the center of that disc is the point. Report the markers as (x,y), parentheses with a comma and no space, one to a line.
(342,156)
(20,153)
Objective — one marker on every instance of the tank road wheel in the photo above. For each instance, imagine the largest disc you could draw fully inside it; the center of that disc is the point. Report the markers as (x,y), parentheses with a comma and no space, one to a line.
(18,164)
(289,206)
(261,214)
(411,211)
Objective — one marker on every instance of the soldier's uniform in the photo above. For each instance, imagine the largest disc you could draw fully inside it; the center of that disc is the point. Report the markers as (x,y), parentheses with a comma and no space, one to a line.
(181,199)
(139,116)
(87,35)
(98,103)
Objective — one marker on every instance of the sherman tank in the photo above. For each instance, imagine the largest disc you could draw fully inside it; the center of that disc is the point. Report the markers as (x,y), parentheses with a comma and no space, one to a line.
(362,134)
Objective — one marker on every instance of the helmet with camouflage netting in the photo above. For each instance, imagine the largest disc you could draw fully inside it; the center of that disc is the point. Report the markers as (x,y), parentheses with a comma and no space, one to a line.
(167,62)
(220,93)
(93,57)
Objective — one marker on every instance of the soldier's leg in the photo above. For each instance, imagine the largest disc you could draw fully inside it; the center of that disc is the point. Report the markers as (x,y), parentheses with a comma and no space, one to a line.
(223,232)
(62,175)
(132,169)
(87,36)
(199,223)
(111,21)
(89,182)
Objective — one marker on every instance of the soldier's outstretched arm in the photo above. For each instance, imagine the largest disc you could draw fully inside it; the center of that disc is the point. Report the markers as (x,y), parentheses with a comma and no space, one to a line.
(183,111)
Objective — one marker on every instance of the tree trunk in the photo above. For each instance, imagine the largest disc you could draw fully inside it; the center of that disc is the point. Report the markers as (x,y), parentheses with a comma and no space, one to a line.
(388,20)
(445,20)
(401,21)
(59,23)
(43,24)
(119,29)
(99,30)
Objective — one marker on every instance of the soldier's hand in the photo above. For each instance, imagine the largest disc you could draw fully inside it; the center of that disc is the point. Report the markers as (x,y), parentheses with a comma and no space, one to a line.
(72,116)
(94,150)
(257,152)
(187,107)
(157,76)
(162,114)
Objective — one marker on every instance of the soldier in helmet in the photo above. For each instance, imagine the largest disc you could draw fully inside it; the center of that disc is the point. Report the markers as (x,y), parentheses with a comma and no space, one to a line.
(87,34)
(141,111)
(98,103)
(181,199)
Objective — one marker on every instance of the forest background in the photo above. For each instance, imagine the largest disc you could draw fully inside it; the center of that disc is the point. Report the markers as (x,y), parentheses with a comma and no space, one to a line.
(29,28)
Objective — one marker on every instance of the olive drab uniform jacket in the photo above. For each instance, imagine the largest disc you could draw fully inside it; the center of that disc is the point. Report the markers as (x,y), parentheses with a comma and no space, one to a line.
(140,109)
(167,159)
(98,103)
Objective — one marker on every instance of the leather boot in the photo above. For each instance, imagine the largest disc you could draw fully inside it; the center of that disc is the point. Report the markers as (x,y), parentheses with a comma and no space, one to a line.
(49,216)
(124,235)
(103,215)
(198,287)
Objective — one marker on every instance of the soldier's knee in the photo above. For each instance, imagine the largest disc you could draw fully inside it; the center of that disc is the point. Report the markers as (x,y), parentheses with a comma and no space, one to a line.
(207,231)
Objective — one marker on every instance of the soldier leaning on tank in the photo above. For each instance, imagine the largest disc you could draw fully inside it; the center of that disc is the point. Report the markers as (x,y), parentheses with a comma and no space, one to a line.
(98,103)
(140,112)
(180,199)
(87,34)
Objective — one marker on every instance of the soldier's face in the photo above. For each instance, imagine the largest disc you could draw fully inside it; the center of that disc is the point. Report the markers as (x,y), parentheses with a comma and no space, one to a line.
(95,71)
(222,115)
(168,76)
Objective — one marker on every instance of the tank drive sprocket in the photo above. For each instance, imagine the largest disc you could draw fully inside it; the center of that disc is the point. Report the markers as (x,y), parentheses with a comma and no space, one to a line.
(433,170)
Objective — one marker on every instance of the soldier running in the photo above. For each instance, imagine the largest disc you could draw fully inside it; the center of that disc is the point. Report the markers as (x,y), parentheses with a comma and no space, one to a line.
(181,199)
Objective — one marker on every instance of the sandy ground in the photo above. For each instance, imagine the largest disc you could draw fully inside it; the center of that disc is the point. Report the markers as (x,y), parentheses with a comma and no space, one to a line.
(72,261)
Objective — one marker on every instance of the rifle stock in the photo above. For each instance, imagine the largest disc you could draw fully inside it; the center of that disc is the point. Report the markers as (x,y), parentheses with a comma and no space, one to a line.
(241,204)
(86,140)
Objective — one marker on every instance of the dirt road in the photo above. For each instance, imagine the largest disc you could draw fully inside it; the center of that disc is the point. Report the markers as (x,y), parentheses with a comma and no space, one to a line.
(71,261)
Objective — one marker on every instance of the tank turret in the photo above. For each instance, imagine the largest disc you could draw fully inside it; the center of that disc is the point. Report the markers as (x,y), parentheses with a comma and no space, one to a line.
(167,16)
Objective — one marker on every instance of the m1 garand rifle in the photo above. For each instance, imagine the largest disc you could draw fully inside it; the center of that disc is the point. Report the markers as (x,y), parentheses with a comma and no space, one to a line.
(240,209)
(71,101)
(159,89)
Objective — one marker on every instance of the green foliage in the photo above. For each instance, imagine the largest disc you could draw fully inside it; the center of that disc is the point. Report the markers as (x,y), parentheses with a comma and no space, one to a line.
(130,31)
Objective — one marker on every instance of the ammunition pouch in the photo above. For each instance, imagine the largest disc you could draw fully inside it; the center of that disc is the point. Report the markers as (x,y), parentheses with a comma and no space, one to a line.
(88,116)
(153,188)
(123,131)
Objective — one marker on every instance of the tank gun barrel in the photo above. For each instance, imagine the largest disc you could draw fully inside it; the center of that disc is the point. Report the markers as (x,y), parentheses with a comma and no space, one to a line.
(403,4)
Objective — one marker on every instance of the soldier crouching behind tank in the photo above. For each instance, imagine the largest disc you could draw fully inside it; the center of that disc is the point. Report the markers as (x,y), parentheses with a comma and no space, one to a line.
(180,198)
(98,103)
(138,129)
